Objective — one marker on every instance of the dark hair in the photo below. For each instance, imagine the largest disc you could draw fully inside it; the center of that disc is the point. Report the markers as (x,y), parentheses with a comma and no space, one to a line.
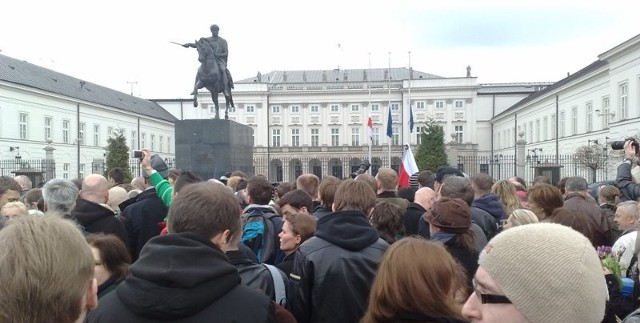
(260,190)
(407,193)
(32,196)
(561,185)
(8,183)
(117,174)
(174,173)
(113,253)
(327,190)
(284,188)
(185,178)
(545,196)
(203,208)
(297,199)
(388,220)
(426,179)
(446,171)
(482,182)
(242,184)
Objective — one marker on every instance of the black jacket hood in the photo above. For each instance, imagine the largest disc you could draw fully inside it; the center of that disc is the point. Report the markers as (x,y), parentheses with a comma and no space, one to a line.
(177,276)
(88,212)
(347,229)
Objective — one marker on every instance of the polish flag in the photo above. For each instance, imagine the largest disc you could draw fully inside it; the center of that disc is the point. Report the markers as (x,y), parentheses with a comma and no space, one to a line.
(370,128)
(407,168)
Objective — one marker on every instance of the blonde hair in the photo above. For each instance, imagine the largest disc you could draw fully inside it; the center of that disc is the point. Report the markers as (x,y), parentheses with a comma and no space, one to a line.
(522,217)
(506,191)
(46,267)
(16,205)
(388,178)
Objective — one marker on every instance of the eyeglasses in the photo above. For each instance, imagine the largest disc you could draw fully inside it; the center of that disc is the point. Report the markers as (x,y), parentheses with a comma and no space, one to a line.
(489,298)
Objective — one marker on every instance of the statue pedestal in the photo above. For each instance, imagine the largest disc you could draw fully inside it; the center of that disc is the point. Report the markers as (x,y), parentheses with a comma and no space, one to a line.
(214,147)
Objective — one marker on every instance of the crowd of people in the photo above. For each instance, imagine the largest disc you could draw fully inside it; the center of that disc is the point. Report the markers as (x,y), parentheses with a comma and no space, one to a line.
(170,246)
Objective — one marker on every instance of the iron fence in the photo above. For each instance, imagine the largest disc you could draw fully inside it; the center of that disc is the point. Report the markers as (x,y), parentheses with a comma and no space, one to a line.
(552,166)
(39,170)
(287,169)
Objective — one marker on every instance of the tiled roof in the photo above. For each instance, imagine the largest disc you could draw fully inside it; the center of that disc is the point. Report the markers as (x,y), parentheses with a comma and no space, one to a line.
(336,75)
(549,89)
(20,72)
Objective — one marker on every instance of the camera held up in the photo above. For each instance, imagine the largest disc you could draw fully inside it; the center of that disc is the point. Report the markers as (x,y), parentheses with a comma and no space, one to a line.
(619,145)
(363,168)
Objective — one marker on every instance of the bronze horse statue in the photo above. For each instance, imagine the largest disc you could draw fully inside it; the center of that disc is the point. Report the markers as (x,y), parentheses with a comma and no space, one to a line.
(209,76)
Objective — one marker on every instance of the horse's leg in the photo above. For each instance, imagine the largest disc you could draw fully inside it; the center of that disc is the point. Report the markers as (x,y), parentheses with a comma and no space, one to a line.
(228,101)
(195,92)
(214,97)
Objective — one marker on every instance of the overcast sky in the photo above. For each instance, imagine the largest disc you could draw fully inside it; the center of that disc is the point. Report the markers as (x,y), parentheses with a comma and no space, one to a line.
(115,42)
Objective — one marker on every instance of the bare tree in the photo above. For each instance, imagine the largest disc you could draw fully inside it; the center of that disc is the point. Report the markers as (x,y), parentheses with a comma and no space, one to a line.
(592,157)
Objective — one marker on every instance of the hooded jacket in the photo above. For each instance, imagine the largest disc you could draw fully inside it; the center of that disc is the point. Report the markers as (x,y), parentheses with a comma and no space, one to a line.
(183,277)
(492,204)
(96,218)
(142,219)
(333,271)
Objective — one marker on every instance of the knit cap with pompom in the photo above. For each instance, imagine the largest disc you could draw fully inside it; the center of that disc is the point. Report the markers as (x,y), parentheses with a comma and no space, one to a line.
(550,272)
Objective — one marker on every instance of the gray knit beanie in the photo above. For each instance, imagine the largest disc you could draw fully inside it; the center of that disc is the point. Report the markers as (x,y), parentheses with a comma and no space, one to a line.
(550,272)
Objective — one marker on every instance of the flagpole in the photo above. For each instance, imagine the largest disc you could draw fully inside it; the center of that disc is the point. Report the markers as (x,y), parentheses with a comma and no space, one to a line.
(369,114)
(389,107)
(408,142)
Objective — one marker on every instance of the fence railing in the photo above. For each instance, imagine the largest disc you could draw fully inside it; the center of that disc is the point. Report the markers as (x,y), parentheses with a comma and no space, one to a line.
(287,169)
(39,170)
(504,166)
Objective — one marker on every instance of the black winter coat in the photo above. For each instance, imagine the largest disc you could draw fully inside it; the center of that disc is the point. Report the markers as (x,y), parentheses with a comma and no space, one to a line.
(182,277)
(333,271)
(142,219)
(412,217)
(96,218)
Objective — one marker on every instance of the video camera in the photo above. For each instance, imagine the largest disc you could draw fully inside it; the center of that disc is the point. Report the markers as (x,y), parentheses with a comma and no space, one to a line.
(363,168)
(619,145)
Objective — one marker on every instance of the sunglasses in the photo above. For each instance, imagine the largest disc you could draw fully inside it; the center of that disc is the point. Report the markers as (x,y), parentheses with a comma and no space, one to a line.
(489,298)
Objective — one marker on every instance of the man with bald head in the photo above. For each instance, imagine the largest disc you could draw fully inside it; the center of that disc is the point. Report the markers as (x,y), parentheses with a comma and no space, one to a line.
(93,213)
(422,201)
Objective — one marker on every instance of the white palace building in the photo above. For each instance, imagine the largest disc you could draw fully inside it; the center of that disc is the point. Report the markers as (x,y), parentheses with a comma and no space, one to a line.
(315,120)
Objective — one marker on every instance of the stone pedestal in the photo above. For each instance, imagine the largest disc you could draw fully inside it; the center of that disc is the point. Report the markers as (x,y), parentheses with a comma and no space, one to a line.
(213,147)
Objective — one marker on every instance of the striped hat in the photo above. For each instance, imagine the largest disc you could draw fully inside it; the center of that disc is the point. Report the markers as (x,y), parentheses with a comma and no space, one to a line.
(413,181)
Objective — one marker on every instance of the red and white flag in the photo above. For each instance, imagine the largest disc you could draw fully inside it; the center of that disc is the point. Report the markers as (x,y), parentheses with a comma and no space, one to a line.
(370,128)
(407,168)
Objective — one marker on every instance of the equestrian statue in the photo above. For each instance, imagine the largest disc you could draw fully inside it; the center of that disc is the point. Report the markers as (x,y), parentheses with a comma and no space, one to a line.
(213,73)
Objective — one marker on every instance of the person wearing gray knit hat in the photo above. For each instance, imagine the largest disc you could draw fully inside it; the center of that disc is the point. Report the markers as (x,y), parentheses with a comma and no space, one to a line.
(538,273)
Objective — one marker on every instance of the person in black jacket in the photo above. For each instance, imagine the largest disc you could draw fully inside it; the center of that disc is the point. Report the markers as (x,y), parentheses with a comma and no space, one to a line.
(184,276)
(252,274)
(333,271)
(142,219)
(624,182)
(92,212)
(423,200)
(450,219)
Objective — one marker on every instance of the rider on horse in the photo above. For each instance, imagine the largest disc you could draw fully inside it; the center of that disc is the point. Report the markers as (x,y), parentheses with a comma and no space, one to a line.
(221,52)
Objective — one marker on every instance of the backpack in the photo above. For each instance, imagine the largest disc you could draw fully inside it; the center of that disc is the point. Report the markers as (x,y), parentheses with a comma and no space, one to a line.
(259,233)
(278,285)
